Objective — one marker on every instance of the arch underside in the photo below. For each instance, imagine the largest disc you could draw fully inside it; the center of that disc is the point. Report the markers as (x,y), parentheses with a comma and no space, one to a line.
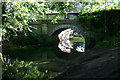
(74,27)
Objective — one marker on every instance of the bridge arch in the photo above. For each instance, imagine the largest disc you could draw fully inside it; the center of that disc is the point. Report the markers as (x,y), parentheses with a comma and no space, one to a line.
(74,27)
(86,34)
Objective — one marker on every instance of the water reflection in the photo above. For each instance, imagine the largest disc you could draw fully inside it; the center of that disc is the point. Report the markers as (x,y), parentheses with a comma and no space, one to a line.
(50,60)
(70,39)
(64,43)
(46,58)
(80,49)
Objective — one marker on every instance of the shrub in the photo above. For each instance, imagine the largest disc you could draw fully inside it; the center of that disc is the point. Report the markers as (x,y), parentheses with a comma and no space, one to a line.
(20,70)
(113,41)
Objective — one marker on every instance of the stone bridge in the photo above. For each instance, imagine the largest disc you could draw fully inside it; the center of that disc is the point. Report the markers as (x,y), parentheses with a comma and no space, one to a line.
(71,20)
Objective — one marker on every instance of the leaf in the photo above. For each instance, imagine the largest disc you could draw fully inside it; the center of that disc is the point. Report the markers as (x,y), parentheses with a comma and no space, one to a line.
(57,16)
(29,30)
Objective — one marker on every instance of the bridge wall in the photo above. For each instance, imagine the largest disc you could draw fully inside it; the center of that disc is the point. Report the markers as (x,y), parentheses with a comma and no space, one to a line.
(45,26)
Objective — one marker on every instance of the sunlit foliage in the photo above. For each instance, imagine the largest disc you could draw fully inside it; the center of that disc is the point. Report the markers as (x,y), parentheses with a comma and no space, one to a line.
(89,7)
(15,69)
(18,15)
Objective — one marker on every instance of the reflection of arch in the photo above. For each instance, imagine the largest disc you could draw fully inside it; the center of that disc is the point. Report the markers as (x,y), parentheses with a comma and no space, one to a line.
(86,34)
(74,27)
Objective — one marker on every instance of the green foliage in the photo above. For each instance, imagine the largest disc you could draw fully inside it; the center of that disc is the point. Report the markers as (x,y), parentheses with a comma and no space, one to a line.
(113,41)
(77,39)
(18,15)
(96,23)
(55,18)
(15,69)
(61,7)
(32,39)
(90,7)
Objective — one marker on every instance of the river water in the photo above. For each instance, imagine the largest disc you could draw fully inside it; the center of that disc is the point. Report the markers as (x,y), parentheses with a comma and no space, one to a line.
(49,58)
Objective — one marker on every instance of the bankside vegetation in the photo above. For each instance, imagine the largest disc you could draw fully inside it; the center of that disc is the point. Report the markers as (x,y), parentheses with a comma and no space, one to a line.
(101,18)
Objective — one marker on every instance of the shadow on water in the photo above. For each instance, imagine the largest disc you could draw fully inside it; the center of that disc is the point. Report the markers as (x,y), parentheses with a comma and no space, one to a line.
(45,57)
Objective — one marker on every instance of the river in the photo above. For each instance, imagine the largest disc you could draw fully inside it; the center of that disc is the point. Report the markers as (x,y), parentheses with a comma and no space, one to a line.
(49,58)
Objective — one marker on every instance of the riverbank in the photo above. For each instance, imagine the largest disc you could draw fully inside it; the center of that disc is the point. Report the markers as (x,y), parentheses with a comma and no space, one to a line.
(95,64)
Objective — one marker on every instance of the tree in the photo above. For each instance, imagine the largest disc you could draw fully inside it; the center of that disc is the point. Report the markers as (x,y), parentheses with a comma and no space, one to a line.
(18,15)
(90,7)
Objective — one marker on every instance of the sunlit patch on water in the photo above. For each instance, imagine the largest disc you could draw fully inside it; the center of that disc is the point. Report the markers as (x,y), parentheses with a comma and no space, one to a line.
(80,49)
(70,39)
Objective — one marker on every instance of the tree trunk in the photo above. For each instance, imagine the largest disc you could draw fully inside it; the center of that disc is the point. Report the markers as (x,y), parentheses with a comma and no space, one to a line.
(1,41)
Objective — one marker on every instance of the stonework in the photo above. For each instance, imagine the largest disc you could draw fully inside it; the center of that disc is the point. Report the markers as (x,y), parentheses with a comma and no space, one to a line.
(73,17)
(45,26)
